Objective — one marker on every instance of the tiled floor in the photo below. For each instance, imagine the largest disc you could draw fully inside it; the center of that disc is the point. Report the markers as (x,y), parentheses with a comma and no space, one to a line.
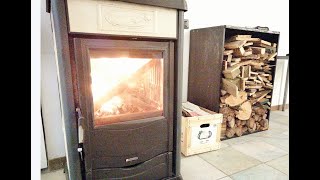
(263,155)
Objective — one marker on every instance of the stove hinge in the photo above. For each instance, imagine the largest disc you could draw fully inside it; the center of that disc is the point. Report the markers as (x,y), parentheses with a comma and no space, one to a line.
(80,132)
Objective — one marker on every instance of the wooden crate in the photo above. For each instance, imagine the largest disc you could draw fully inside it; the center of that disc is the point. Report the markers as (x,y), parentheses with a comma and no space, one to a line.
(195,133)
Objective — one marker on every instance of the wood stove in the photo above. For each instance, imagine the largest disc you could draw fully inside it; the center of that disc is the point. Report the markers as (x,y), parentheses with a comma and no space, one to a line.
(119,65)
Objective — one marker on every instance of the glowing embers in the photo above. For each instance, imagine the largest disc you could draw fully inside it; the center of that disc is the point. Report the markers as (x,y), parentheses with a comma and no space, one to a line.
(126,88)
(107,73)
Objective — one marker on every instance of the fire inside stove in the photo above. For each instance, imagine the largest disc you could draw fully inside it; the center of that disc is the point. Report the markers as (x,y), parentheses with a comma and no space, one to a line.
(126,89)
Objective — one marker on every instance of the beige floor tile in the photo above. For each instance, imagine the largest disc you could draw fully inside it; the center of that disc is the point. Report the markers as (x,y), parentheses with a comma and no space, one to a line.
(286,133)
(270,133)
(260,150)
(226,178)
(282,113)
(237,140)
(55,175)
(229,160)
(224,144)
(278,142)
(260,172)
(281,164)
(194,167)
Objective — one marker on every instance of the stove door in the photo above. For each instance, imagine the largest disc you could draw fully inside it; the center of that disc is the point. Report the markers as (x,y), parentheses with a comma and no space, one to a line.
(125,91)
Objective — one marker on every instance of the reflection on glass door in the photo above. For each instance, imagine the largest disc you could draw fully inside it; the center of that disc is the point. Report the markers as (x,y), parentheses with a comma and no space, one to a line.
(126,89)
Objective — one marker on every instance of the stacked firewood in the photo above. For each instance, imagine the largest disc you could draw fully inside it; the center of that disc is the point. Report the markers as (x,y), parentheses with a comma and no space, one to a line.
(246,84)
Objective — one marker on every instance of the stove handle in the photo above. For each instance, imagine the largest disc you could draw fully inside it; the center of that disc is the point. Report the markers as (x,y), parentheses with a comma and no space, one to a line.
(80,128)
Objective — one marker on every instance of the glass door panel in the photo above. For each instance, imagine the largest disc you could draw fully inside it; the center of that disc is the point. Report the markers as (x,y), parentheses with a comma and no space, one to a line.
(126,88)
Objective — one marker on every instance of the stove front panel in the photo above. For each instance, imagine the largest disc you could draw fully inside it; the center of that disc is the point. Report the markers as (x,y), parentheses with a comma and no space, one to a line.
(126,96)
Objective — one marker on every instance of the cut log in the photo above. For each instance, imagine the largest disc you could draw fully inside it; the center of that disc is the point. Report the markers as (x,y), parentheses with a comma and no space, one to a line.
(253,87)
(269,49)
(238,131)
(254,39)
(239,52)
(229,58)
(262,96)
(248,44)
(252,56)
(243,123)
(222,105)
(225,65)
(234,44)
(230,132)
(244,129)
(240,38)
(253,129)
(264,101)
(259,77)
(235,101)
(247,53)
(230,87)
(256,63)
(250,123)
(261,93)
(256,117)
(235,59)
(264,79)
(258,50)
(264,56)
(274,44)
(264,123)
(227,52)
(272,56)
(264,116)
(268,96)
(243,84)
(258,125)
(230,118)
(262,42)
(223,99)
(231,74)
(245,111)
(259,110)
(223,92)
(247,71)
(232,63)
(231,123)
(250,82)
(238,122)
(227,111)
(257,81)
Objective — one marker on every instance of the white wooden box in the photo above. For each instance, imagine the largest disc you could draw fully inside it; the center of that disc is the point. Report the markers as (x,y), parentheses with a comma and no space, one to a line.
(201,133)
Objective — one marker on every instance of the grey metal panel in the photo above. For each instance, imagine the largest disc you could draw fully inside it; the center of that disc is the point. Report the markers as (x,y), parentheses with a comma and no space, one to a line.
(65,86)
(205,65)
(178,95)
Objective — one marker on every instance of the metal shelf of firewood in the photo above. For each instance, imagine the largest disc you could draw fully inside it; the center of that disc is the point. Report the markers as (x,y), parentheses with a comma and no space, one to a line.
(231,71)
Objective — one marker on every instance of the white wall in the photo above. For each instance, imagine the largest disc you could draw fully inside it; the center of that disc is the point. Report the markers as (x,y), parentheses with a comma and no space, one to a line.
(205,13)
(51,112)
(279,83)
